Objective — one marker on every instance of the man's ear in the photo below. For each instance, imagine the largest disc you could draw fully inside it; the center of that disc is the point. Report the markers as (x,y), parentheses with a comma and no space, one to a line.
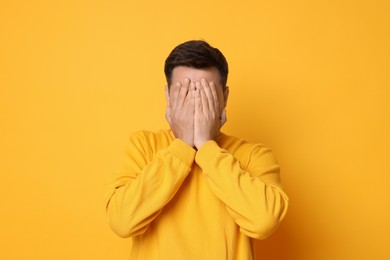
(226,95)
(168,110)
(167,94)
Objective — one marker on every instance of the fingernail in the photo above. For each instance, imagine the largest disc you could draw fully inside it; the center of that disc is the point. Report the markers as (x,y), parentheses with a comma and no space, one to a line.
(178,84)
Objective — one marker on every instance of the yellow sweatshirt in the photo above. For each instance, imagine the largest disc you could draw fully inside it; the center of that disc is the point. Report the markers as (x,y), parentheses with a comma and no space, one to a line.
(177,203)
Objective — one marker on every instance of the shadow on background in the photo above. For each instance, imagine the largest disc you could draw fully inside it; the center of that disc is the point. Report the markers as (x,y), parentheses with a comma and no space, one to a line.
(279,246)
(258,123)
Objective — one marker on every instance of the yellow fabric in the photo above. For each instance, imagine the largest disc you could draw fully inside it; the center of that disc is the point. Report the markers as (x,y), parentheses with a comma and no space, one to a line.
(179,203)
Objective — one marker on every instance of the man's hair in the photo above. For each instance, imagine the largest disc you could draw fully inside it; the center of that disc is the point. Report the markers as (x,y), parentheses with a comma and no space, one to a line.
(196,54)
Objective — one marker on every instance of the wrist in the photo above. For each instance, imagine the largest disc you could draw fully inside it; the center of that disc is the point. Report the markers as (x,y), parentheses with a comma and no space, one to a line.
(199,144)
(188,141)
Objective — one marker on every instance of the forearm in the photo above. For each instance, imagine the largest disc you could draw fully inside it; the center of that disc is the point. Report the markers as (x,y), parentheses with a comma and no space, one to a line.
(136,201)
(256,206)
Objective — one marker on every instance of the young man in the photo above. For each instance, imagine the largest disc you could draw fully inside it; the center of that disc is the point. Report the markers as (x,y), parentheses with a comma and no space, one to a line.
(192,192)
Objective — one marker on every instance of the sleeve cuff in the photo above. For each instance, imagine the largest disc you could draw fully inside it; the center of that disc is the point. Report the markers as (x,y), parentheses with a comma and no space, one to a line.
(182,151)
(206,152)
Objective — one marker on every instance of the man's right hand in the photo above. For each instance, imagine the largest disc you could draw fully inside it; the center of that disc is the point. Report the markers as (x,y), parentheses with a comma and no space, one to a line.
(181,109)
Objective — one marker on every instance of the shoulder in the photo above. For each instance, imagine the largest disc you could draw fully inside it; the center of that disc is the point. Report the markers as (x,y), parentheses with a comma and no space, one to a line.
(236,144)
(150,141)
(247,152)
(163,134)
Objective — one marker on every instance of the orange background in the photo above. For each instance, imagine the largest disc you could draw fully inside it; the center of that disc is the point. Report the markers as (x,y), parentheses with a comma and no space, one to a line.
(309,79)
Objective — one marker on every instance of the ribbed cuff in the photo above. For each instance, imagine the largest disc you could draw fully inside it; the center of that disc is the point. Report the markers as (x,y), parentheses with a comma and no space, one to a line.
(206,152)
(182,151)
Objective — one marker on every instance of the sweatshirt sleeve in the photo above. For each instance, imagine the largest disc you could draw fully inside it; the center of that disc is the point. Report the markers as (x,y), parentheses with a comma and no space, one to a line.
(253,195)
(146,184)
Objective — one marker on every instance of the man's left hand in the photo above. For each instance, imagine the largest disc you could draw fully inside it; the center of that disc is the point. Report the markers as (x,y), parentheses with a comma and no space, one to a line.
(208,119)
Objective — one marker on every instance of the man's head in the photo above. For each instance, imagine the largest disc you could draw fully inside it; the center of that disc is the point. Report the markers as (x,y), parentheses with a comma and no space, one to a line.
(196,93)
(197,55)
(197,60)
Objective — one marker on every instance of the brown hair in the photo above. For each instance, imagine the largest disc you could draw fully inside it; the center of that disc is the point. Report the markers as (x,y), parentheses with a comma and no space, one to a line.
(196,54)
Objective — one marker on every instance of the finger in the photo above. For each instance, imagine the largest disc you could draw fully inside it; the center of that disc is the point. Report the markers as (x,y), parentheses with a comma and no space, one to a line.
(192,86)
(205,103)
(199,88)
(192,98)
(213,89)
(191,104)
(188,103)
(208,93)
(175,94)
(198,103)
(183,93)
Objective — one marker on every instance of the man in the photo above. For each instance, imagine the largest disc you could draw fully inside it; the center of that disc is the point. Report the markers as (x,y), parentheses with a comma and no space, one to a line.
(192,192)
